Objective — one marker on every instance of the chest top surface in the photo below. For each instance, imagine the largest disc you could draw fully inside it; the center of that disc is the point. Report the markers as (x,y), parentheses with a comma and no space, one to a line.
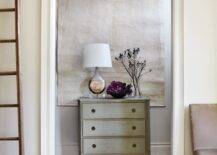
(111,100)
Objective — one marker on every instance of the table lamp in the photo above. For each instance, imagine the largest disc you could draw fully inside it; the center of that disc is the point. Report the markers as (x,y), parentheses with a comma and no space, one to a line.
(95,56)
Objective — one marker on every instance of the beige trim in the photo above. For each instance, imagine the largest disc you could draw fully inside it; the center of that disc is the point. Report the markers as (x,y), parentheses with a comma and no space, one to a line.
(178,79)
(48,78)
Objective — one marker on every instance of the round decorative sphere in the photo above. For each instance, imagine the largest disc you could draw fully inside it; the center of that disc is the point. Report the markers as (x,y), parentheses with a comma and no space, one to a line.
(97,85)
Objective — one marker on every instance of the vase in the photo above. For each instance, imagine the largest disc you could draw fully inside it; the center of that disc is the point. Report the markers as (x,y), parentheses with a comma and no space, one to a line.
(137,91)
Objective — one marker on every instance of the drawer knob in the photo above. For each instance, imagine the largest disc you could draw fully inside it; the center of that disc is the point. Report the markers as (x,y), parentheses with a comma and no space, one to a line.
(133,110)
(93,110)
(134,127)
(94,146)
(93,128)
(134,145)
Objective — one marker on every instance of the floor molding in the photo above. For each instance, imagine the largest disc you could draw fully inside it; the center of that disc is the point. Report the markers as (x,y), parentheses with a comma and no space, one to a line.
(156,149)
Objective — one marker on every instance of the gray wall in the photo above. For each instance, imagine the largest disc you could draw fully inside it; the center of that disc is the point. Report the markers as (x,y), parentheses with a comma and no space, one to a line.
(123,24)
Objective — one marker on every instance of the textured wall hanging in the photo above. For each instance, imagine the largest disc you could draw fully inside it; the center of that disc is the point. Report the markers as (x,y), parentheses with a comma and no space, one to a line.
(123,24)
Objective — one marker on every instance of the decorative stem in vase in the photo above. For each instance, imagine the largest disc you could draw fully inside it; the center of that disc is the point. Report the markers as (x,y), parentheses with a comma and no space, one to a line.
(134,67)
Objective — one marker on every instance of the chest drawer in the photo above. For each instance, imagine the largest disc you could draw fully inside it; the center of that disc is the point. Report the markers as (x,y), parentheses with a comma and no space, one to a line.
(113,110)
(114,146)
(114,128)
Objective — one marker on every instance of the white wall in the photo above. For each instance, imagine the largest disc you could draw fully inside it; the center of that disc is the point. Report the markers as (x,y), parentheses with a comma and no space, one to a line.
(30,48)
(200,50)
(30,68)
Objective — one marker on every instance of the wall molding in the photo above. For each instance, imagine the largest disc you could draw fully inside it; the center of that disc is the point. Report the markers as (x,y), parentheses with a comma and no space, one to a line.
(152,144)
(156,148)
(178,78)
(48,76)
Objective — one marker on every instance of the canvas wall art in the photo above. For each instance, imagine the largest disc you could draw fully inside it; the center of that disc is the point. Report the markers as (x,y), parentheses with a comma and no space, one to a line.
(123,24)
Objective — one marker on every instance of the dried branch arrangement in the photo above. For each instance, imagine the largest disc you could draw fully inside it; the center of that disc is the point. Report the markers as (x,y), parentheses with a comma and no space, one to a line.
(134,67)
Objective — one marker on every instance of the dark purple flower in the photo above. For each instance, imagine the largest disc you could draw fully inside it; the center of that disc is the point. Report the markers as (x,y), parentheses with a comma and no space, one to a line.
(119,89)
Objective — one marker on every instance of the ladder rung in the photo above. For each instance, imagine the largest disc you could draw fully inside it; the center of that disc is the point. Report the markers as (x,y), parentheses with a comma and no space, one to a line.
(9,138)
(8,105)
(7,9)
(8,41)
(8,73)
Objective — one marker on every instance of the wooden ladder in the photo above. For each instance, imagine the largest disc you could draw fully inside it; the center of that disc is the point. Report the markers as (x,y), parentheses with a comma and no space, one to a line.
(16,73)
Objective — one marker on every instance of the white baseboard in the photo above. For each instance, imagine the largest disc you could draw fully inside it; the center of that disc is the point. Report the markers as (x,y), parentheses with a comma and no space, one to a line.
(67,150)
(156,149)
(160,149)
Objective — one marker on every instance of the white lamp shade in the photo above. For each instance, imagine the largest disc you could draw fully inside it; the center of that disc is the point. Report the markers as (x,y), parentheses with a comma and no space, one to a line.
(97,55)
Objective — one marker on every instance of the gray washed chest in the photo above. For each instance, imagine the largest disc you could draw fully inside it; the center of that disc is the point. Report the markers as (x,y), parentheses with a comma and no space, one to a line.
(114,126)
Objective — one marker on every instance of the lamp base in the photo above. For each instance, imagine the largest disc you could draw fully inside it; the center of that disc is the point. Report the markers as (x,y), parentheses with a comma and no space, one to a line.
(97,83)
